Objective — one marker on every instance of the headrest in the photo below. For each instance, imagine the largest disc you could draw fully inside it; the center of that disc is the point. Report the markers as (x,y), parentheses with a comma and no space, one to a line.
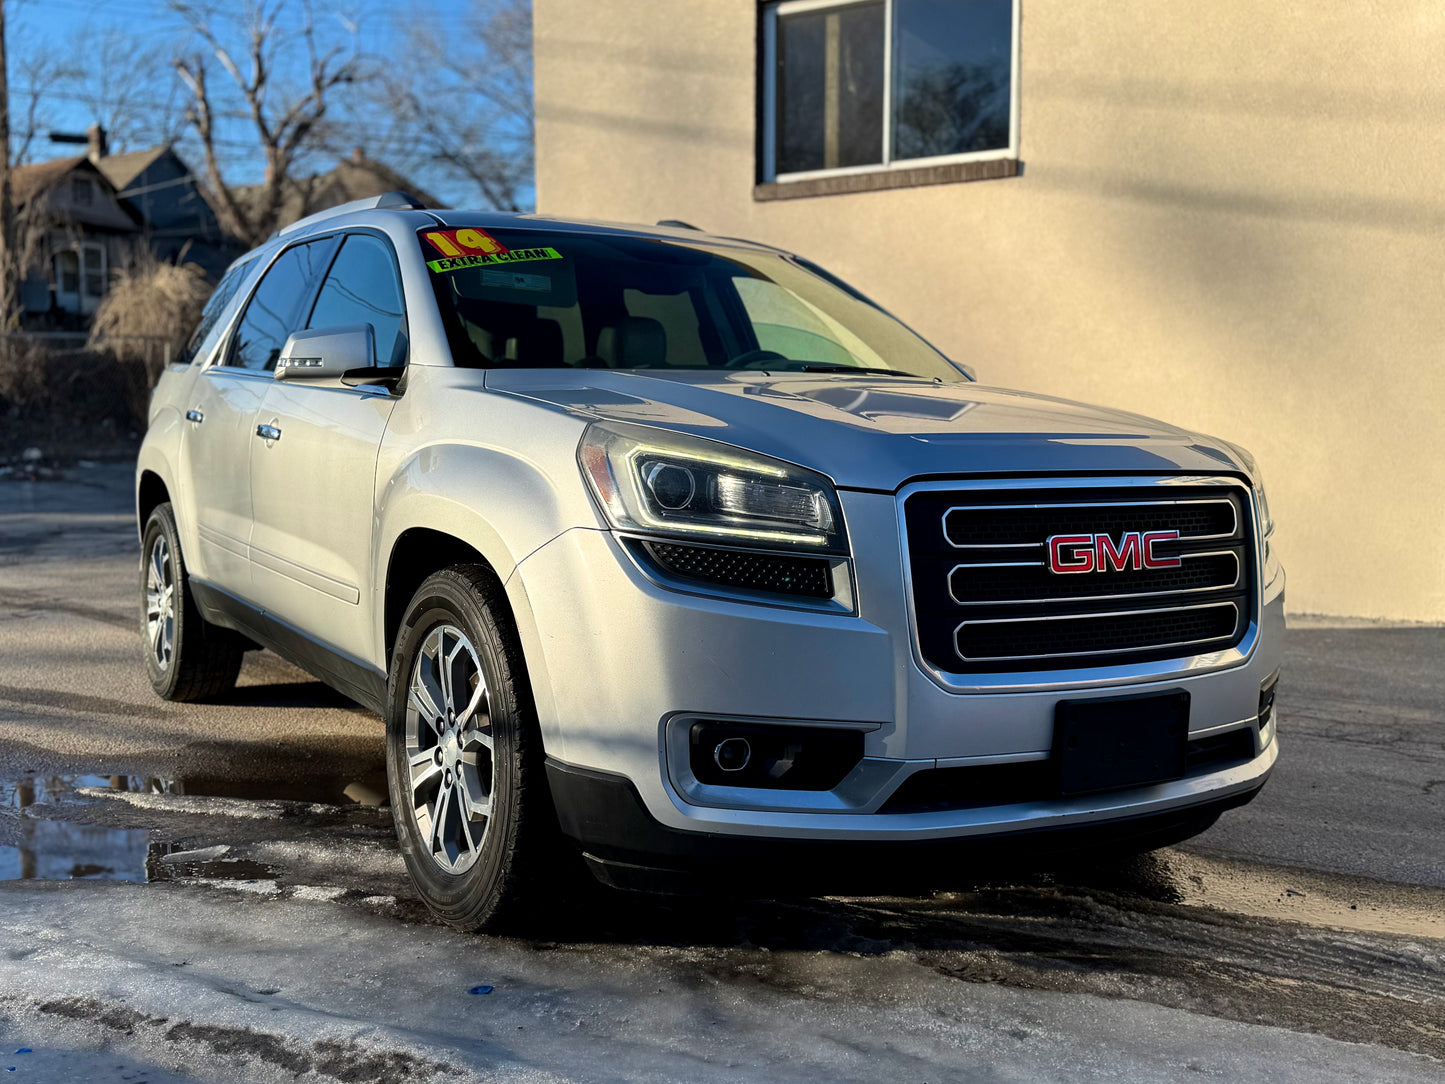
(633,342)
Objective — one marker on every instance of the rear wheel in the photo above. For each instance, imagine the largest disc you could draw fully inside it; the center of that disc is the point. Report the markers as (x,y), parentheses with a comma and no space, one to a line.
(464,759)
(187,658)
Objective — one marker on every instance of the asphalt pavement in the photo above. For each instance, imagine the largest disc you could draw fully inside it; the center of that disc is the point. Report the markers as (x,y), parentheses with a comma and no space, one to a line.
(140,837)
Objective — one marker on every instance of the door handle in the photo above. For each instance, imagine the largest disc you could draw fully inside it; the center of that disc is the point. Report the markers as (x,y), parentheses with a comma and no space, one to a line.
(195,416)
(268,432)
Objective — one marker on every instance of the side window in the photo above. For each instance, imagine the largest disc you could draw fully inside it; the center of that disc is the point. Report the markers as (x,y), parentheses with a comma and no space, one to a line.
(363,288)
(275,309)
(220,297)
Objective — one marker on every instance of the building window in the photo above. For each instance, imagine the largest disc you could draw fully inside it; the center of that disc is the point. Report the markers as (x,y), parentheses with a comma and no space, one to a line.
(67,272)
(92,258)
(854,86)
(81,192)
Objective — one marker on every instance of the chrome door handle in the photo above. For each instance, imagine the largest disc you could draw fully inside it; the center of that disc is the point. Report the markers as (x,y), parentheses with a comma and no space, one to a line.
(195,416)
(268,432)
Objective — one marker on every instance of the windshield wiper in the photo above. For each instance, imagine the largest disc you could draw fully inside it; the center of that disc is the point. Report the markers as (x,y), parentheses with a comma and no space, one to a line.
(820,368)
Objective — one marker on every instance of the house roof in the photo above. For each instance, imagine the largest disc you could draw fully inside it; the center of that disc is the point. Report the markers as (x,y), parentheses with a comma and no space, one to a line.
(353,178)
(26,181)
(122,169)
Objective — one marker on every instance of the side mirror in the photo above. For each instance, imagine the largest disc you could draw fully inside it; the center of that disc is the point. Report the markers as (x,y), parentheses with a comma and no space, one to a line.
(326,353)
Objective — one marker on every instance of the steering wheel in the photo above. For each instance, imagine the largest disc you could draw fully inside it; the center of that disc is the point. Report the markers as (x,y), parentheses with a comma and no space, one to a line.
(754,359)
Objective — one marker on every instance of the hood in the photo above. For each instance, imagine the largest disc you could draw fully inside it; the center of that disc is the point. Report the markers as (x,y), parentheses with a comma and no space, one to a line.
(877,432)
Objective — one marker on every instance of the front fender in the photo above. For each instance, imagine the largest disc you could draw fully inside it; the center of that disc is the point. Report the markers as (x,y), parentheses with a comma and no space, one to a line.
(500,504)
(160,455)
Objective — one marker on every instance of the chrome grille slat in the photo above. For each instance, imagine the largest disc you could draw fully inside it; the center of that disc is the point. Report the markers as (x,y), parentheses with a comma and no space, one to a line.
(1235,582)
(1086,506)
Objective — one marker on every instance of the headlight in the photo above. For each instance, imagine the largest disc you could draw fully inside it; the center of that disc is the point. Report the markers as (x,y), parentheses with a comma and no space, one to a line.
(667,483)
(1256,478)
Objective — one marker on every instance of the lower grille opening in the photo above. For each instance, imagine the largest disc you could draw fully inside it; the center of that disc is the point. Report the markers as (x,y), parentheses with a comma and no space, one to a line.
(947,789)
(775,573)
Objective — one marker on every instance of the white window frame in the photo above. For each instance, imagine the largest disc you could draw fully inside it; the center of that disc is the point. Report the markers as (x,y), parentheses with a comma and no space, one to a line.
(774,8)
(91,255)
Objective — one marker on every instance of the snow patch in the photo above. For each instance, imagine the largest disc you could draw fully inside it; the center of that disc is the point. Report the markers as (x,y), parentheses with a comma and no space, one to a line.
(321,893)
(201,854)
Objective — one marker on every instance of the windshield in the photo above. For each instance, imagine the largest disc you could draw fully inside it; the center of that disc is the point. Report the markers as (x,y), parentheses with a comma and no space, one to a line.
(529,298)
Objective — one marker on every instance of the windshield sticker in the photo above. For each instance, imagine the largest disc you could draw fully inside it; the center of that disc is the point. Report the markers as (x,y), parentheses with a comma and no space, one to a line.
(461,249)
(516,280)
(464,242)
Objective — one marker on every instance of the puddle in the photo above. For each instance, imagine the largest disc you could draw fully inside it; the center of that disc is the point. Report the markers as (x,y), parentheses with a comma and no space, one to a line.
(46,847)
(62,851)
(353,788)
(38,848)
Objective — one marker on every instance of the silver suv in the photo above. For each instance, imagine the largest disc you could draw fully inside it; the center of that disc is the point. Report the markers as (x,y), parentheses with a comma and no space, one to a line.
(679,554)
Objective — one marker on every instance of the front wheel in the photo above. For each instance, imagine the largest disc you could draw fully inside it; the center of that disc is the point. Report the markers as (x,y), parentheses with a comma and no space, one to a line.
(464,759)
(187,658)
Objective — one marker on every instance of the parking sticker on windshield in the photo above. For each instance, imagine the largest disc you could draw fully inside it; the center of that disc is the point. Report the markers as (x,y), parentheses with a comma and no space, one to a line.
(516,280)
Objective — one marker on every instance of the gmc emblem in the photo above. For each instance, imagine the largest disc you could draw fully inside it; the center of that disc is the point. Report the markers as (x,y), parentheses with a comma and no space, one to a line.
(1070,553)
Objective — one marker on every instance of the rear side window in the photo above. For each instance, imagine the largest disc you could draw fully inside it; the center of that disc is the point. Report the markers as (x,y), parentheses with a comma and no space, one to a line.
(220,298)
(276,308)
(363,288)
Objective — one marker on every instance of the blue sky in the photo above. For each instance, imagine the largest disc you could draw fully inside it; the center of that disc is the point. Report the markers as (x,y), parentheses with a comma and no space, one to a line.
(76,29)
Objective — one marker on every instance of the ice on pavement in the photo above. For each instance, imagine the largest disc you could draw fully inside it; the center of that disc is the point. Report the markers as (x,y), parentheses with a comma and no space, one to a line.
(243,808)
(224,987)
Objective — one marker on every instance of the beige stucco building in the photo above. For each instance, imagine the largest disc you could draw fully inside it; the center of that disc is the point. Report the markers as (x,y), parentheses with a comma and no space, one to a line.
(1230,216)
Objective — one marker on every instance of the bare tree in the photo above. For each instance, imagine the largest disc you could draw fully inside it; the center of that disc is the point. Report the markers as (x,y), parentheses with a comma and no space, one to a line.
(461,98)
(117,88)
(284,126)
(38,75)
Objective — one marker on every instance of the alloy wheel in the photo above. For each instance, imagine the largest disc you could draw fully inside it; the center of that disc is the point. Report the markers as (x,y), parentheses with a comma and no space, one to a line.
(161,603)
(449,749)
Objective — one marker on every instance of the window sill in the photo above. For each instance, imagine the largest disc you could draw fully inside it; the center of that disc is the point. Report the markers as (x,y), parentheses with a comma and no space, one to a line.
(880,179)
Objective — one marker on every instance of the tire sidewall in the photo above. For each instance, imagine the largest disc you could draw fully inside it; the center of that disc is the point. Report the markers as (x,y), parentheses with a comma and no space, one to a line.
(447,598)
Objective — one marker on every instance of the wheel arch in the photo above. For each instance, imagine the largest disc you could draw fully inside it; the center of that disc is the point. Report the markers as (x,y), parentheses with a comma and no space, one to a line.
(418,552)
(151,492)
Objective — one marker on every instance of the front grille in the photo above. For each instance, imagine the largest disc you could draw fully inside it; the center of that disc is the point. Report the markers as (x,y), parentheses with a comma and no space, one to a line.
(986,599)
(776,573)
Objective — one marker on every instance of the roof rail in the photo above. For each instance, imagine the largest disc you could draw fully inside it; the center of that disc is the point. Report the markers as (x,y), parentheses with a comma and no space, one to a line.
(677,223)
(399,201)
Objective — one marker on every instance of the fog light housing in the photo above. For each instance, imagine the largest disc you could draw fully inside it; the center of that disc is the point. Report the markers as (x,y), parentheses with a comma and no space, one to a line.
(772,757)
(1266,709)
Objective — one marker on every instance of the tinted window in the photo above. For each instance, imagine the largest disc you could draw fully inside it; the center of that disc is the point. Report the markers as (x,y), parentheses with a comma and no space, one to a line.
(363,288)
(275,309)
(220,297)
(515,298)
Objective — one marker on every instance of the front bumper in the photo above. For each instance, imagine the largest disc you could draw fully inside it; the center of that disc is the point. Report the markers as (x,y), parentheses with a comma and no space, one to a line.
(626,848)
(615,657)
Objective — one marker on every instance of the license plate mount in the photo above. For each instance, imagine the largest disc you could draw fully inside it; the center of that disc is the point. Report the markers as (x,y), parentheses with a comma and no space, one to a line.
(1119,742)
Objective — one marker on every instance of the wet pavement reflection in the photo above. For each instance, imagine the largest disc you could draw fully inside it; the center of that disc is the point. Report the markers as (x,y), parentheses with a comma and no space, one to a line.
(36,844)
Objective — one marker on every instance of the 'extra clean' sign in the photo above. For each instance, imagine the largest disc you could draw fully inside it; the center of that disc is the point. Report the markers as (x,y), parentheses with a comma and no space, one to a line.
(476,248)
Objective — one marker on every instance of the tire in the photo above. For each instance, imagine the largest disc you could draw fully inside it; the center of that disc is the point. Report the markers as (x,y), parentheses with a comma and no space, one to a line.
(187,658)
(469,796)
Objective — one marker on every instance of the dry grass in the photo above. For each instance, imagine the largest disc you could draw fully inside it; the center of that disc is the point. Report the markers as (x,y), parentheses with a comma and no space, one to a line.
(150,304)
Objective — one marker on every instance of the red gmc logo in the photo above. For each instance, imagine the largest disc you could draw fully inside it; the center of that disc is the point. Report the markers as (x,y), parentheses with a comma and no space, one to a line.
(1070,553)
